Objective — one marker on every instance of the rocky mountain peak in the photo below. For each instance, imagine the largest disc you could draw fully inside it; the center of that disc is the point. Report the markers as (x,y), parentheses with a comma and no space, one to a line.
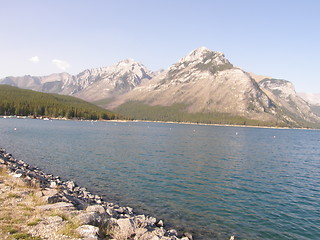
(205,55)
(128,61)
(200,60)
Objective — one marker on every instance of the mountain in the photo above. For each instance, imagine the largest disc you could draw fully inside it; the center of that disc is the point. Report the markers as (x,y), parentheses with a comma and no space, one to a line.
(16,101)
(203,86)
(107,82)
(312,98)
(205,82)
(62,83)
(91,84)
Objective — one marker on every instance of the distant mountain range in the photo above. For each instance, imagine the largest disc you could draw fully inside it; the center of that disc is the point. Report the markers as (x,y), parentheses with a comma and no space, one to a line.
(203,86)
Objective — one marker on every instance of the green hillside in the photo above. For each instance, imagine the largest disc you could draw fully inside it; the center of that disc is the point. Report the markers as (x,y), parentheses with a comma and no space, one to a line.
(136,110)
(16,101)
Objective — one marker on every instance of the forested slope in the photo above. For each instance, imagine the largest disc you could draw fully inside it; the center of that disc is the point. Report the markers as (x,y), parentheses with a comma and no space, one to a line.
(15,101)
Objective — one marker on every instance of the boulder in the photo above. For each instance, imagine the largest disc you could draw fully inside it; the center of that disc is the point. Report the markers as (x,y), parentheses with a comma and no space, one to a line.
(96,208)
(90,218)
(120,228)
(70,185)
(88,231)
(160,223)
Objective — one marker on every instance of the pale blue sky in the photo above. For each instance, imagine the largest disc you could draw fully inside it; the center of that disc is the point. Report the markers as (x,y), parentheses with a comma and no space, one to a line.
(278,38)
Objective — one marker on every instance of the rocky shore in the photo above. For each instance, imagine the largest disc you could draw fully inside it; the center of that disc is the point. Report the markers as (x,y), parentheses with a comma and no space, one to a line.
(95,218)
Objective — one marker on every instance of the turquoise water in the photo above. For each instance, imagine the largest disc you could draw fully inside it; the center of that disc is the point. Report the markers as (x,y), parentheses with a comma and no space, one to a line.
(212,181)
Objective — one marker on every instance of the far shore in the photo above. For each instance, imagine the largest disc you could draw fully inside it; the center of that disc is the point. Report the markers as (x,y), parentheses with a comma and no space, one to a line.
(150,121)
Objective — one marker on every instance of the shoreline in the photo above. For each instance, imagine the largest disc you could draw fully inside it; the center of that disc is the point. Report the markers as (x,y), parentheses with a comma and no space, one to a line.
(167,122)
(118,221)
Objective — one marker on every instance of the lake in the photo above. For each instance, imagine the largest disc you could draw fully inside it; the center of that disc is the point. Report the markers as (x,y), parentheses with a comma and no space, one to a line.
(213,181)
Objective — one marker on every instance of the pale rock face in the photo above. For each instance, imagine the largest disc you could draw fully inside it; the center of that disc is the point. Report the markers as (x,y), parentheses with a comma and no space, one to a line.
(200,55)
(91,84)
(105,82)
(283,93)
(312,98)
(282,88)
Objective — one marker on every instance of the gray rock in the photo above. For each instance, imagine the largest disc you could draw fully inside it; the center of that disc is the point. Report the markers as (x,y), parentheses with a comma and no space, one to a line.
(151,221)
(160,223)
(51,196)
(60,205)
(120,228)
(140,221)
(96,208)
(88,231)
(129,210)
(109,211)
(70,185)
(119,210)
(75,201)
(55,199)
(49,192)
(188,235)
(19,171)
(90,218)
(53,184)
(171,233)
(17,175)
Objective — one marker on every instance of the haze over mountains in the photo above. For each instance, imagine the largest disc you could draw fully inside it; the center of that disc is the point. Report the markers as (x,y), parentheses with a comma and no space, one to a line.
(202,82)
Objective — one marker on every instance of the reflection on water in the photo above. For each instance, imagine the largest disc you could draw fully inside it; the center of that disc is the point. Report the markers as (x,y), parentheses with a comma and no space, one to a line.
(213,181)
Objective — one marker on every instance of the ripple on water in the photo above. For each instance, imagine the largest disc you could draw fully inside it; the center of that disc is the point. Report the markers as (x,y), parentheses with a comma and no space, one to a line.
(211,181)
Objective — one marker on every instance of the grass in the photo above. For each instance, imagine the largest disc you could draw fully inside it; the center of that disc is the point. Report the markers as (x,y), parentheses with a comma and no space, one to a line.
(70,226)
(13,195)
(26,236)
(69,229)
(18,212)
(54,213)
(10,230)
(34,222)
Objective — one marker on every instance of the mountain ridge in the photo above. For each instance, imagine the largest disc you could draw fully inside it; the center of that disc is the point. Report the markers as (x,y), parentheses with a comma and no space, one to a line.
(204,81)
(207,82)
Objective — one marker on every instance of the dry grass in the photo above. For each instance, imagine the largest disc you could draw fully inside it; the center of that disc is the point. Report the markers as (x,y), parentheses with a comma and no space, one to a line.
(19,212)
(69,229)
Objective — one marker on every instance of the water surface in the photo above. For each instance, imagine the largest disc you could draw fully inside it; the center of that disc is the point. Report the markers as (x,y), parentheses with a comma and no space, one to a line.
(213,181)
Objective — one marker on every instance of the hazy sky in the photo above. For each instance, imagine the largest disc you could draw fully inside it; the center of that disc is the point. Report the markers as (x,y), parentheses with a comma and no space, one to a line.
(278,38)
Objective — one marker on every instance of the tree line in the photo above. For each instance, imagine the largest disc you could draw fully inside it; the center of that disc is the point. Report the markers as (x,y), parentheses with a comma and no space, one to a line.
(22,102)
(136,110)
